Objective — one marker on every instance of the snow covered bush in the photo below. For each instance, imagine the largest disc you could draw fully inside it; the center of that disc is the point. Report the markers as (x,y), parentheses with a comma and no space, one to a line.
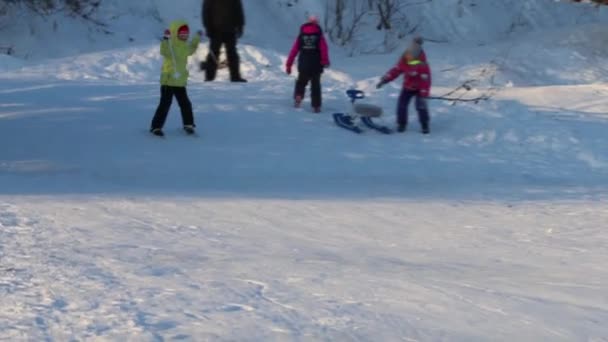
(345,20)
(73,7)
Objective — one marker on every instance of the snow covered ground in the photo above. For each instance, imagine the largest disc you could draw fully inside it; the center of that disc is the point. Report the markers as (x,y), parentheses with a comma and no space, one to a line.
(202,268)
(273,224)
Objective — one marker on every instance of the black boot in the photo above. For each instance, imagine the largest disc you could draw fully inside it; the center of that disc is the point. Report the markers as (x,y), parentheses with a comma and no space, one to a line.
(425,128)
(157,131)
(189,129)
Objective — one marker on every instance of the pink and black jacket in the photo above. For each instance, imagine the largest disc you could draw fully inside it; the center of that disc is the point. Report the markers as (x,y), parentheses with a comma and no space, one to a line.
(312,49)
(416,74)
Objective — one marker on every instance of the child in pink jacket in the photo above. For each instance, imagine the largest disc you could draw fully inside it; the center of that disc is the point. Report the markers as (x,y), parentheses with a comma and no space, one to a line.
(313,58)
(416,84)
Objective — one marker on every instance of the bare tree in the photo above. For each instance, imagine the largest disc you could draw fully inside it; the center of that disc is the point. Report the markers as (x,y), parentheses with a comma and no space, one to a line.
(79,8)
(393,18)
(343,20)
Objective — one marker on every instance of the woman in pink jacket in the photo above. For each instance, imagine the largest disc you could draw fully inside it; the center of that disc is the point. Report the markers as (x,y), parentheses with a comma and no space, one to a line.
(313,58)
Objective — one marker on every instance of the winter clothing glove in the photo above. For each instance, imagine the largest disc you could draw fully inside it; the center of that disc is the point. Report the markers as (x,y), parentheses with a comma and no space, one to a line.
(381,83)
(167,34)
(288,69)
(424,93)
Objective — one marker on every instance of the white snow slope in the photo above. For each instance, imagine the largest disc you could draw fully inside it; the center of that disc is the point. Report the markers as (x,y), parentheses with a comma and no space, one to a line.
(273,224)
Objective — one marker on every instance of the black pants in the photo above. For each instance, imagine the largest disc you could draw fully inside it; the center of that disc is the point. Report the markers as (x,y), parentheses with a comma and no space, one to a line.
(315,87)
(421,106)
(166,98)
(228,39)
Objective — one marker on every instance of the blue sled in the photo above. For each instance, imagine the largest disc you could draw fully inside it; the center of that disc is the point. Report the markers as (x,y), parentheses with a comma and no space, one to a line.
(369,123)
(346,122)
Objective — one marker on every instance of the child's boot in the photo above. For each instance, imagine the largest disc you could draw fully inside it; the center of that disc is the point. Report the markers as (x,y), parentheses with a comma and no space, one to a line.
(425,128)
(189,129)
(158,132)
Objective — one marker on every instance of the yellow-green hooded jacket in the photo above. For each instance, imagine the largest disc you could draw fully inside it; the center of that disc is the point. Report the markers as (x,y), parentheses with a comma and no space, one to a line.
(175,52)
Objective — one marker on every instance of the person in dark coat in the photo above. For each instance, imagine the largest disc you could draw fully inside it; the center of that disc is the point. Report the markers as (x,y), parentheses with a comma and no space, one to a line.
(313,56)
(224,21)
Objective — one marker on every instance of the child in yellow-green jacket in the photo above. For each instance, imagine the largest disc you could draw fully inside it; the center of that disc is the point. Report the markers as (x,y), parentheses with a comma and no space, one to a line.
(175,49)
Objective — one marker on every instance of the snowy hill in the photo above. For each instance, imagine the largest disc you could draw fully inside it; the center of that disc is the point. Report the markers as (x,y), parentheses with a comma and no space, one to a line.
(272,22)
(273,224)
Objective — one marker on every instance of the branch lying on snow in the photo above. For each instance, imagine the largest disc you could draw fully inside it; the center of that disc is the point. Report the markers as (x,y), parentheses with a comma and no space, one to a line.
(489,72)
(459,99)
(467,86)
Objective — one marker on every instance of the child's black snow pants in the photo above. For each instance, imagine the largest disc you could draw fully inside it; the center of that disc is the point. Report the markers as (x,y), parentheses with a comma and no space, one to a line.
(421,106)
(315,87)
(166,98)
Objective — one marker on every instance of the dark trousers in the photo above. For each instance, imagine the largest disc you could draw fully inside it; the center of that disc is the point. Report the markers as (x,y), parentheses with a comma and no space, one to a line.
(229,40)
(315,87)
(166,98)
(421,106)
